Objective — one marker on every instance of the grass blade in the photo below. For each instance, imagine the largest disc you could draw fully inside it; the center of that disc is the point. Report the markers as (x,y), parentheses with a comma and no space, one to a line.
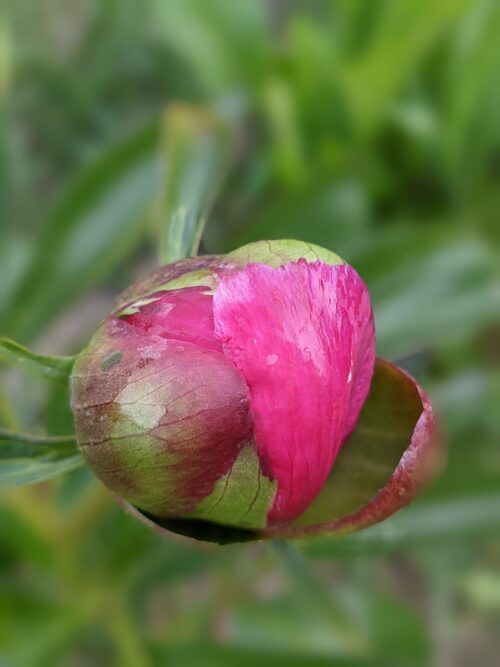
(57,368)
(29,459)
(196,150)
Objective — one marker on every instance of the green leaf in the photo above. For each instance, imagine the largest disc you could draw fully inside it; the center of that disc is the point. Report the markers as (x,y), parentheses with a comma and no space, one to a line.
(471,127)
(432,288)
(94,225)
(374,79)
(226,44)
(58,368)
(22,539)
(317,602)
(26,459)
(196,149)
(15,255)
(252,653)
(387,626)
(437,524)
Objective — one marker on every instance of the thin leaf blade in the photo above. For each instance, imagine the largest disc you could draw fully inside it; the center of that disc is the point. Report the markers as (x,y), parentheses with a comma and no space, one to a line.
(430,525)
(58,368)
(92,227)
(26,459)
(196,150)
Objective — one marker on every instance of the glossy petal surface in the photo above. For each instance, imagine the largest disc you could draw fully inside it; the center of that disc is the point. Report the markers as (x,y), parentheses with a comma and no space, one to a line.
(162,276)
(302,337)
(184,315)
(394,449)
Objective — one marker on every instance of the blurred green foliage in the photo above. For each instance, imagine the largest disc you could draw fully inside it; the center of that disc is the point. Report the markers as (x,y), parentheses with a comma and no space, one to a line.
(372,128)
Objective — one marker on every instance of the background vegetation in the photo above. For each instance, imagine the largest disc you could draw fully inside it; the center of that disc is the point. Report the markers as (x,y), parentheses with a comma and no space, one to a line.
(372,128)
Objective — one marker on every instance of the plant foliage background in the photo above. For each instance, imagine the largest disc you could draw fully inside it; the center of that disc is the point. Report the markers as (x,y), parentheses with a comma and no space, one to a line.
(372,128)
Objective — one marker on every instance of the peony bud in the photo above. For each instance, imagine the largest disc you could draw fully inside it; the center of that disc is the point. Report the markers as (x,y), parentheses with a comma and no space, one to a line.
(219,397)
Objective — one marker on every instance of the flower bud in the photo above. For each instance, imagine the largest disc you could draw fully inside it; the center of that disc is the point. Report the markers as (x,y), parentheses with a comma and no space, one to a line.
(217,397)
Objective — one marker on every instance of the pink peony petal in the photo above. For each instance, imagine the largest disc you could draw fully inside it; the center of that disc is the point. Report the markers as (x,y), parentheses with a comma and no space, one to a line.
(302,336)
(183,314)
(397,416)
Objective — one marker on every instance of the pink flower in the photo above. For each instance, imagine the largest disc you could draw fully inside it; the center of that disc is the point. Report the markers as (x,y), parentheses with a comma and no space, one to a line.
(226,397)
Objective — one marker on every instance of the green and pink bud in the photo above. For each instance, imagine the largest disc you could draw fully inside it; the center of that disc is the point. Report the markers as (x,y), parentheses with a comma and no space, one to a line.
(238,397)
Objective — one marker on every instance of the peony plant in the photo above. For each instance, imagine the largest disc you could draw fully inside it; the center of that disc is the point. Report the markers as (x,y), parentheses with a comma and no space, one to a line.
(238,397)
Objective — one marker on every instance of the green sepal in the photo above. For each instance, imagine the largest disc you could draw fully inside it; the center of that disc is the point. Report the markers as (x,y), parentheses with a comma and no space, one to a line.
(241,498)
(279,252)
